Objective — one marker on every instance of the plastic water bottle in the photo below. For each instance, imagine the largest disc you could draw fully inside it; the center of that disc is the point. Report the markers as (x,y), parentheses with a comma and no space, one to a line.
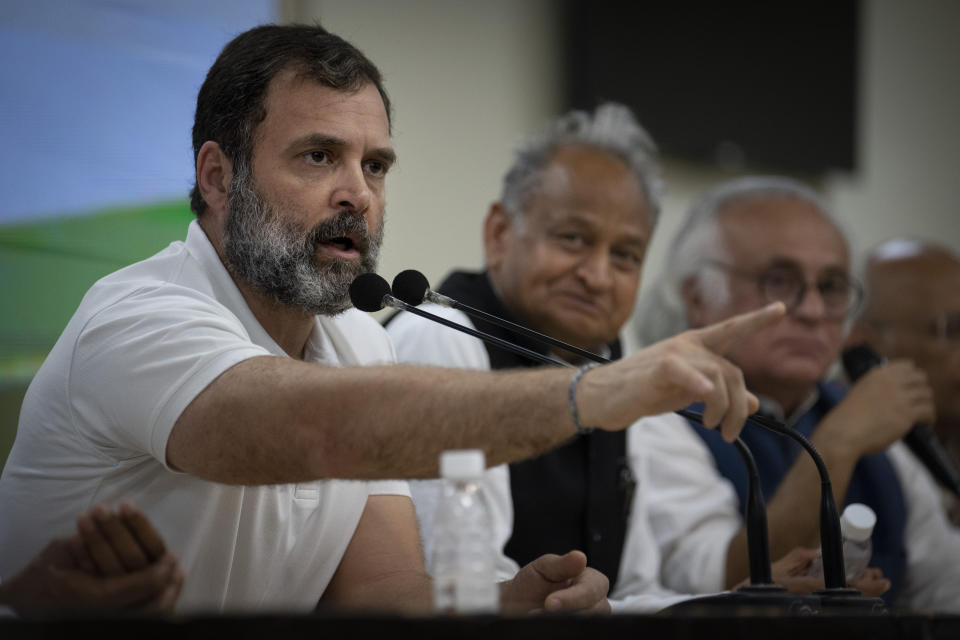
(856,526)
(464,560)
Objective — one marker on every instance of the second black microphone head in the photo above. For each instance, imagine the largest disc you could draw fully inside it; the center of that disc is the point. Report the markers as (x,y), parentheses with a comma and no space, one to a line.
(411,286)
(367,291)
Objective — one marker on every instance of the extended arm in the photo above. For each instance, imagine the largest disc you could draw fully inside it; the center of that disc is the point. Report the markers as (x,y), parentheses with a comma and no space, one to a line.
(271,419)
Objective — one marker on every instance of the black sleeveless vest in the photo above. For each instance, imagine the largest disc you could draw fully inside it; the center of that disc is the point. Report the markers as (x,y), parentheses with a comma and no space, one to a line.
(577,496)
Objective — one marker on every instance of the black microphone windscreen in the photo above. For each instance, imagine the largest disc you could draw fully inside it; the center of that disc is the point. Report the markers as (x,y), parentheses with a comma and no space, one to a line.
(367,291)
(858,360)
(411,286)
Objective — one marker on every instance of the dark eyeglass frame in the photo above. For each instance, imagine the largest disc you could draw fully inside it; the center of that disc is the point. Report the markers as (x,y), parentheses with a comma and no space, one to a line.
(762,278)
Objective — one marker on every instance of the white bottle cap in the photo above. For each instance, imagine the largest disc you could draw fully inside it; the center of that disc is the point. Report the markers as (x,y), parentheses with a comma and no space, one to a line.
(857,522)
(462,464)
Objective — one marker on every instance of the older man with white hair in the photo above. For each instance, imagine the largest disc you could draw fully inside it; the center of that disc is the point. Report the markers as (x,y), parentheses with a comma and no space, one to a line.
(745,243)
(564,248)
(913,311)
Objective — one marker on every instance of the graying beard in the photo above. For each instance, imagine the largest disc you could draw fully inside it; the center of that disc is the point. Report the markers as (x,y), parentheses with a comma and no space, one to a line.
(273,255)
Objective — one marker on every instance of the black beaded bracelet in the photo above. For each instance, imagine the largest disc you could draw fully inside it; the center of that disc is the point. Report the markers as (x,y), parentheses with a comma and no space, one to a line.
(581,430)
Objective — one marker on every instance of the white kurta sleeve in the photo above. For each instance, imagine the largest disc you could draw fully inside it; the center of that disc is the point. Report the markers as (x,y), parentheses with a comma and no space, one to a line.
(638,589)
(693,510)
(933,544)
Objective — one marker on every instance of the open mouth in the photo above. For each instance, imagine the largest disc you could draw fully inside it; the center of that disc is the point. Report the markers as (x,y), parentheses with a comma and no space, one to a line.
(342,243)
(344,246)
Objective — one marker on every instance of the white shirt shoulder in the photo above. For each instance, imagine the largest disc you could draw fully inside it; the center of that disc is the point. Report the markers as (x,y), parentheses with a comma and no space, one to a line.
(421,341)
(933,543)
(693,510)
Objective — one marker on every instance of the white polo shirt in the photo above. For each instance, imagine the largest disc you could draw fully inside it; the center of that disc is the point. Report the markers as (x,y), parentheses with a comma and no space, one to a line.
(95,422)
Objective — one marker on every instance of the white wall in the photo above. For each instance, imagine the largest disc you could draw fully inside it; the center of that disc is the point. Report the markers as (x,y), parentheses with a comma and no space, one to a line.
(468,79)
(909,182)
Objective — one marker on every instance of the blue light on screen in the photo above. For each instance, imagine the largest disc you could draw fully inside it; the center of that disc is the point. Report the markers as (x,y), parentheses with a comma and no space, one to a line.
(98,99)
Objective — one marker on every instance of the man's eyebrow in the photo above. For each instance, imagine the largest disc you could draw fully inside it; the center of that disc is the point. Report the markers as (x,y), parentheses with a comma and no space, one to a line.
(590,223)
(317,140)
(831,269)
(385,155)
(323,140)
(780,261)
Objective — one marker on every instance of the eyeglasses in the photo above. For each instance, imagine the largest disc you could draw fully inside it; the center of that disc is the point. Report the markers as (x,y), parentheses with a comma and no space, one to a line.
(785,282)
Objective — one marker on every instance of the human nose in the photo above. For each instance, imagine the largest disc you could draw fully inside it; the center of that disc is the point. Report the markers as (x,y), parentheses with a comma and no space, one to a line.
(351,190)
(595,270)
(809,304)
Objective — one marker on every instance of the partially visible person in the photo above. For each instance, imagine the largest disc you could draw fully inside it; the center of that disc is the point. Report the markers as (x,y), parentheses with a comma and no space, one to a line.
(913,312)
(115,564)
(744,243)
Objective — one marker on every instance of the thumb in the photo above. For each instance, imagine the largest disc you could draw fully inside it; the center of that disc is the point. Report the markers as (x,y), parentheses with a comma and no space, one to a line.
(721,336)
(554,568)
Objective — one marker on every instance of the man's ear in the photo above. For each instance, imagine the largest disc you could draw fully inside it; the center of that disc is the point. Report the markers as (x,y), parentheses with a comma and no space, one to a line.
(497,234)
(693,302)
(214,173)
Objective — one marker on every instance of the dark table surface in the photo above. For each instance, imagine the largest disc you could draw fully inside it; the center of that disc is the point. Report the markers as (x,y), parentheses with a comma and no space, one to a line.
(742,623)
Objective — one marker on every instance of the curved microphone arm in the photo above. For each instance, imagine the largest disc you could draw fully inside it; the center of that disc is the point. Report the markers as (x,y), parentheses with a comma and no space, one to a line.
(412,287)
(831,538)
(758,539)
(390,301)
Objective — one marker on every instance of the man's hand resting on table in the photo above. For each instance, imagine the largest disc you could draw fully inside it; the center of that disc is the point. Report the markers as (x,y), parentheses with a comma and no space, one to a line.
(556,584)
(790,572)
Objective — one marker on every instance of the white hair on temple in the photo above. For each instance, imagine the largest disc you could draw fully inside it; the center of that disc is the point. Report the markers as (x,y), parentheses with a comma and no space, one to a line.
(611,128)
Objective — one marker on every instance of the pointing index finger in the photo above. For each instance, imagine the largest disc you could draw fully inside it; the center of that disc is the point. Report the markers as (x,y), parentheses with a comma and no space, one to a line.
(721,336)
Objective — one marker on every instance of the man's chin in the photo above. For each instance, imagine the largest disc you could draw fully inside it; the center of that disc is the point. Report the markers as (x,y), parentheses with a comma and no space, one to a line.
(799,375)
(588,340)
(325,309)
(326,301)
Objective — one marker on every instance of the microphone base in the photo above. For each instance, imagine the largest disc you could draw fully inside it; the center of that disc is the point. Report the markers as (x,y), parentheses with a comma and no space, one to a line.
(750,600)
(849,600)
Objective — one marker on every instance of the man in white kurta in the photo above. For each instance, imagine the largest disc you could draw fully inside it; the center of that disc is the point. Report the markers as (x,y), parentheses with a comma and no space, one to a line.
(564,247)
(694,512)
(744,243)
